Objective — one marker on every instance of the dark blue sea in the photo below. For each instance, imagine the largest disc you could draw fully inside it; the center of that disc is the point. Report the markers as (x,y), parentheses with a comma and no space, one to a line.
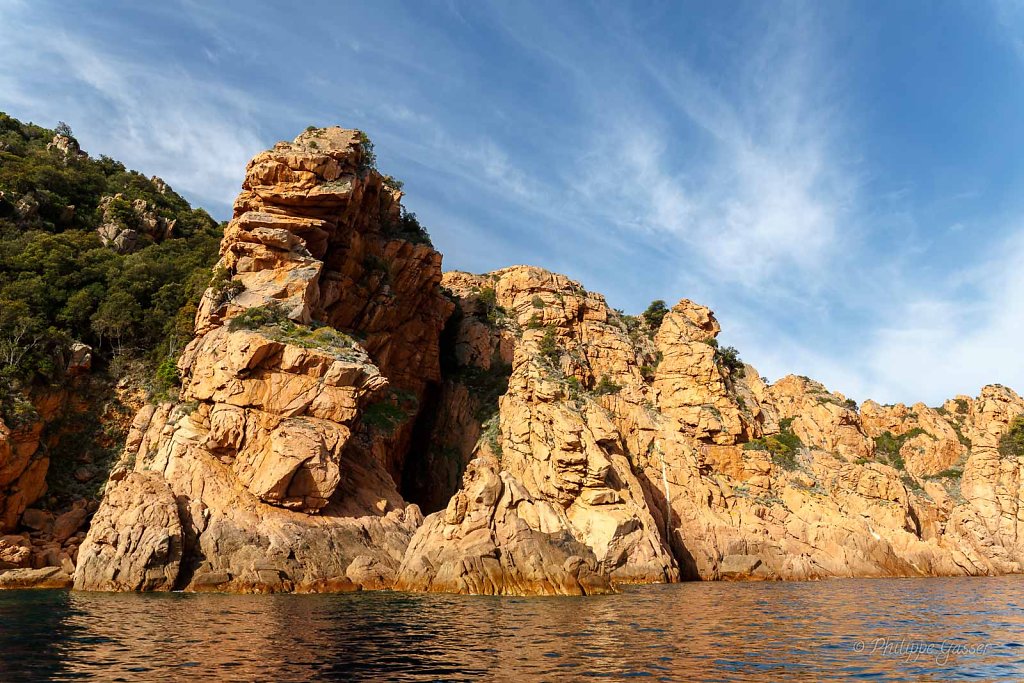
(879,630)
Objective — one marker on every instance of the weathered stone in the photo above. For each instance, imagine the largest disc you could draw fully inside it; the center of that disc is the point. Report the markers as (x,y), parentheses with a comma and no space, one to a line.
(65,526)
(47,577)
(560,447)
(15,552)
(135,541)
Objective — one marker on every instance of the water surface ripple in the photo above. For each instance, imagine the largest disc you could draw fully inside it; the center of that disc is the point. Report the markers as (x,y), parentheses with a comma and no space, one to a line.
(881,629)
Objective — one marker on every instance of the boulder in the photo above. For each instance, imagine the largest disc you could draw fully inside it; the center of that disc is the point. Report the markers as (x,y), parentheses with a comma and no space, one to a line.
(135,541)
(46,577)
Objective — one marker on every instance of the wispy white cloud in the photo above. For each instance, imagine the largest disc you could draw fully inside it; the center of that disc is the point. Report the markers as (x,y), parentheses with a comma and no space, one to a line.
(772,189)
(156,117)
(567,136)
(1010,16)
(956,341)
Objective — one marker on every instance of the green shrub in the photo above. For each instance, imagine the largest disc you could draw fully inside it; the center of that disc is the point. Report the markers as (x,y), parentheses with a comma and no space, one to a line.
(728,358)
(486,386)
(607,386)
(375,264)
(535,322)
(388,413)
(408,228)
(224,287)
(965,441)
(910,482)
(383,416)
(491,434)
(1011,444)
(393,183)
(888,447)
(655,313)
(494,313)
(167,377)
(488,297)
(537,302)
(548,347)
(257,317)
(369,156)
(783,447)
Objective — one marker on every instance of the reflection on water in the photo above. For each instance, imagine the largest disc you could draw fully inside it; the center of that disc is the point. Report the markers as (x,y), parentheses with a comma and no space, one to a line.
(915,629)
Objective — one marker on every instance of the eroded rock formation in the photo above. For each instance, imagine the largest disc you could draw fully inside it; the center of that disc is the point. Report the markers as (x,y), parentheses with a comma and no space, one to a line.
(313,349)
(338,387)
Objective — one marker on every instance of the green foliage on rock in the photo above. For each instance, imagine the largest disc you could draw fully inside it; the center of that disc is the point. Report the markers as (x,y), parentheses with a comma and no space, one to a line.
(386,414)
(271,321)
(655,313)
(369,156)
(167,378)
(607,386)
(951,473)
(1011,444)
(784,447)
(258,316)
(728,358)
(408,228)
(485,386)
(493,313)
(548,347)
(887,446)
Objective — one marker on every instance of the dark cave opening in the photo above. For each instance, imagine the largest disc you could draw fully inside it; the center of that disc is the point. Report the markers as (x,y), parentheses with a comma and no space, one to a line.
(423,482)
(430,475)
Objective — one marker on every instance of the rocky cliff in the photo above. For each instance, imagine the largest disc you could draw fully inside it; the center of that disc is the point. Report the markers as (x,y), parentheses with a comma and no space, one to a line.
(339,387)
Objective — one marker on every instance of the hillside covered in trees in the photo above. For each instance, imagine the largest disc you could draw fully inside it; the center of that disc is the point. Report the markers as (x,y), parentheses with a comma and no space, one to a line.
(91,253)
(101,269)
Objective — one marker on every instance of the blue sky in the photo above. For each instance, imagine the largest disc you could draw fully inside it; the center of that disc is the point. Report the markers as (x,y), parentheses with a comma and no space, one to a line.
(842,183)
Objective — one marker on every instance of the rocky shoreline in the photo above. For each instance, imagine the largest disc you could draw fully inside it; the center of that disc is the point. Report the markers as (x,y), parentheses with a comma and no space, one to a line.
(350,417)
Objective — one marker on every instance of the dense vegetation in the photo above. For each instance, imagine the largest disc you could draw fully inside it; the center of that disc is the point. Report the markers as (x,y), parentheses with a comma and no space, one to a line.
(58,282)
(783,447)
(1011,444)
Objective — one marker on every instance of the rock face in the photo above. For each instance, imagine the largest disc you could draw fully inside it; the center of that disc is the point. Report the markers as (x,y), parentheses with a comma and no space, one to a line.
(22,471)
(314,347)
(125,225)
(494,538)
(23,463)
(135,542)
(338,387)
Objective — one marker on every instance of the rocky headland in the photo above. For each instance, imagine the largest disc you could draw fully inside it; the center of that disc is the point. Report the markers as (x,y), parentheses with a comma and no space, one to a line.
(351,417)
